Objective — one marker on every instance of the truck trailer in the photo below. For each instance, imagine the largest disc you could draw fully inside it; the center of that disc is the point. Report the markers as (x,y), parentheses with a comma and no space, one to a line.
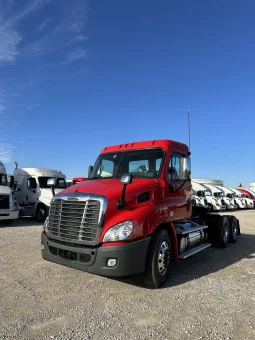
(132,222)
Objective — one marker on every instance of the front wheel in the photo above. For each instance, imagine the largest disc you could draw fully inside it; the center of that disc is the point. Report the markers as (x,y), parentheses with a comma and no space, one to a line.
(158,259)
(41,213)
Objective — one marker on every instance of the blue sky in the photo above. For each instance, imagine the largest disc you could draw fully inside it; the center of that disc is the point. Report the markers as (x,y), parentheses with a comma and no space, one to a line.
(76,76)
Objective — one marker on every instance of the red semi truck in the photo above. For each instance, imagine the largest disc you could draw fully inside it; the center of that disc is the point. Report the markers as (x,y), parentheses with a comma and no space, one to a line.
(133,215)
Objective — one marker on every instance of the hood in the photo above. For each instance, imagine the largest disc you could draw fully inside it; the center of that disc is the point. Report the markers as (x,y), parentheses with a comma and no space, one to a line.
(112,188)
(4,190)
(46,195)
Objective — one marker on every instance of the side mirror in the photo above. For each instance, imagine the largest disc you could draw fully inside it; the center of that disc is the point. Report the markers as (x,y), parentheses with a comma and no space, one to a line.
(185,173)
(126,179)
(90,170)
(52,182)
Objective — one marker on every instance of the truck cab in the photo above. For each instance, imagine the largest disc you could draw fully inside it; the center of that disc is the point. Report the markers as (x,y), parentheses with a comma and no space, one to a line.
(9,208)
(213,199)
(133,215)
(198,196)
(248,201)
(248,193)
(32,192)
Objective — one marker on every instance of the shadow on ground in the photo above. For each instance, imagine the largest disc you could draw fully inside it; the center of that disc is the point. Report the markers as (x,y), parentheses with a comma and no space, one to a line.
(206,262)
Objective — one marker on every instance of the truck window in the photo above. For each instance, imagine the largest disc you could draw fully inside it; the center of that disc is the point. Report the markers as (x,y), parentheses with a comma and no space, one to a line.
(31,183)
(138,166)
(144,163)
(106,169)
(174,166)
(3,179)
(61,183)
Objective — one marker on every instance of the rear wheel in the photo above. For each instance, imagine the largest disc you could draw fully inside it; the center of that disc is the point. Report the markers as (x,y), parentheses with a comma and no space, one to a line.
(223,232)
(158,259)
(233,228)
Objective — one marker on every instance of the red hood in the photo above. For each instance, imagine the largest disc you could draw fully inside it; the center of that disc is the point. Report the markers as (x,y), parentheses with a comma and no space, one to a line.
(112,188)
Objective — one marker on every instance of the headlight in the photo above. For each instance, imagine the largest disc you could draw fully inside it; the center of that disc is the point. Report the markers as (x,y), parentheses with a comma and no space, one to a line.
(121,231)
(45,226)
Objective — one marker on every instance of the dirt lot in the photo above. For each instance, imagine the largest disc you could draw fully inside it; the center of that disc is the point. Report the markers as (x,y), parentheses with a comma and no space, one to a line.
(210,296)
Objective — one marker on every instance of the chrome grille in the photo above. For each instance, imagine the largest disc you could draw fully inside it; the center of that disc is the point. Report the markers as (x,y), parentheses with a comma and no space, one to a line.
(75,220)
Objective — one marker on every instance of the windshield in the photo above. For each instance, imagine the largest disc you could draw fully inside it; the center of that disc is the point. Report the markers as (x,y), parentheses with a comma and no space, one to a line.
(61,183)
(145,163)
(208,193)
(3,179)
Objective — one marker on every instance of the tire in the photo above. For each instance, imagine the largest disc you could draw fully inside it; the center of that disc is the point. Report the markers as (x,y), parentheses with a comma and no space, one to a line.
(41,213)
(158,259)
(223,235)
(233,228)
(210,208)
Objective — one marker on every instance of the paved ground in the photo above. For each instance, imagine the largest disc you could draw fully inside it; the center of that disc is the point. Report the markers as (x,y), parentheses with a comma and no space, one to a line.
(210,296)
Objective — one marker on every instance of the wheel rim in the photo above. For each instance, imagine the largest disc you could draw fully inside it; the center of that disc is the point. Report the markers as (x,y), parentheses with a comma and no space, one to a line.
(234,230)
(41,213)
(225,233)
(163,259)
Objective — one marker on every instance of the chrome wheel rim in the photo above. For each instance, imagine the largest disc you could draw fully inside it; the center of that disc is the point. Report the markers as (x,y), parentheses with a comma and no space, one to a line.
(234,230)
(163,258)
(225,233)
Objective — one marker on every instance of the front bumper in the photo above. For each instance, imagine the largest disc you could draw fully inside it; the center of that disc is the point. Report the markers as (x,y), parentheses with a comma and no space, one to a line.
(9,215)
(130,257)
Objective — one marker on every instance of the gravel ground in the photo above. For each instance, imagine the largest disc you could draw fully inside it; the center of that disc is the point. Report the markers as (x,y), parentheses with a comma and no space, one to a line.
(210,296)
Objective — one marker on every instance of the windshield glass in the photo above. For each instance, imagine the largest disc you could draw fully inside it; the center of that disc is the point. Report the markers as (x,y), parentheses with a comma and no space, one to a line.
(144,163)
(3,179)
(208,193)
(61,183)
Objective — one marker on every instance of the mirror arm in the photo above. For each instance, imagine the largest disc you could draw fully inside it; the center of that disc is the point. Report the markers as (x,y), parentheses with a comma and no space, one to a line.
(121,202)
(53,191)
(175,188)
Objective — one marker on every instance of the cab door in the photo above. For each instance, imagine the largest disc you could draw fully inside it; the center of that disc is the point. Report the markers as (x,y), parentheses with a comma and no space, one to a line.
(179,189)
(31,190)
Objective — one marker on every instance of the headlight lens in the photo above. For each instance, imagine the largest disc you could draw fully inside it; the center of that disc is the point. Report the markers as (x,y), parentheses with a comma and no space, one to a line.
(121,231)
(45,226)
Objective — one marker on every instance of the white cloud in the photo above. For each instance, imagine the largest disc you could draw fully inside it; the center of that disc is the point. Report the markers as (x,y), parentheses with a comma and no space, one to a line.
(33,106)
(65,31)
(43,25)
(76,55)
(9,40)
(5,152)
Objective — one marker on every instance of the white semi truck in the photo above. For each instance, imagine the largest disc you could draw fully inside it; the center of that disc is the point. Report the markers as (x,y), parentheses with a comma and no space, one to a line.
(228,202)
(9,208)
(248,201)
(31,190)
(199,200)
(214,203)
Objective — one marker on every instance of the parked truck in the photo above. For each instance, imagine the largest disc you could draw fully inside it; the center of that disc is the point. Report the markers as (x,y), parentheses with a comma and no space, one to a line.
(9,208)
(227,202)
(132,221)
(248,193)
(214,202)
(31,190)
(248,201)
(200,202)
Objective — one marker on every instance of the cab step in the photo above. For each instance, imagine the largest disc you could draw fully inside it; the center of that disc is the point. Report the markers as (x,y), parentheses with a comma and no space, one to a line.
(195,250)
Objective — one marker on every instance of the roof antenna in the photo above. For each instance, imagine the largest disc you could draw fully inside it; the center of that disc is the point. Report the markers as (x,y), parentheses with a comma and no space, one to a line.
(189,128)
